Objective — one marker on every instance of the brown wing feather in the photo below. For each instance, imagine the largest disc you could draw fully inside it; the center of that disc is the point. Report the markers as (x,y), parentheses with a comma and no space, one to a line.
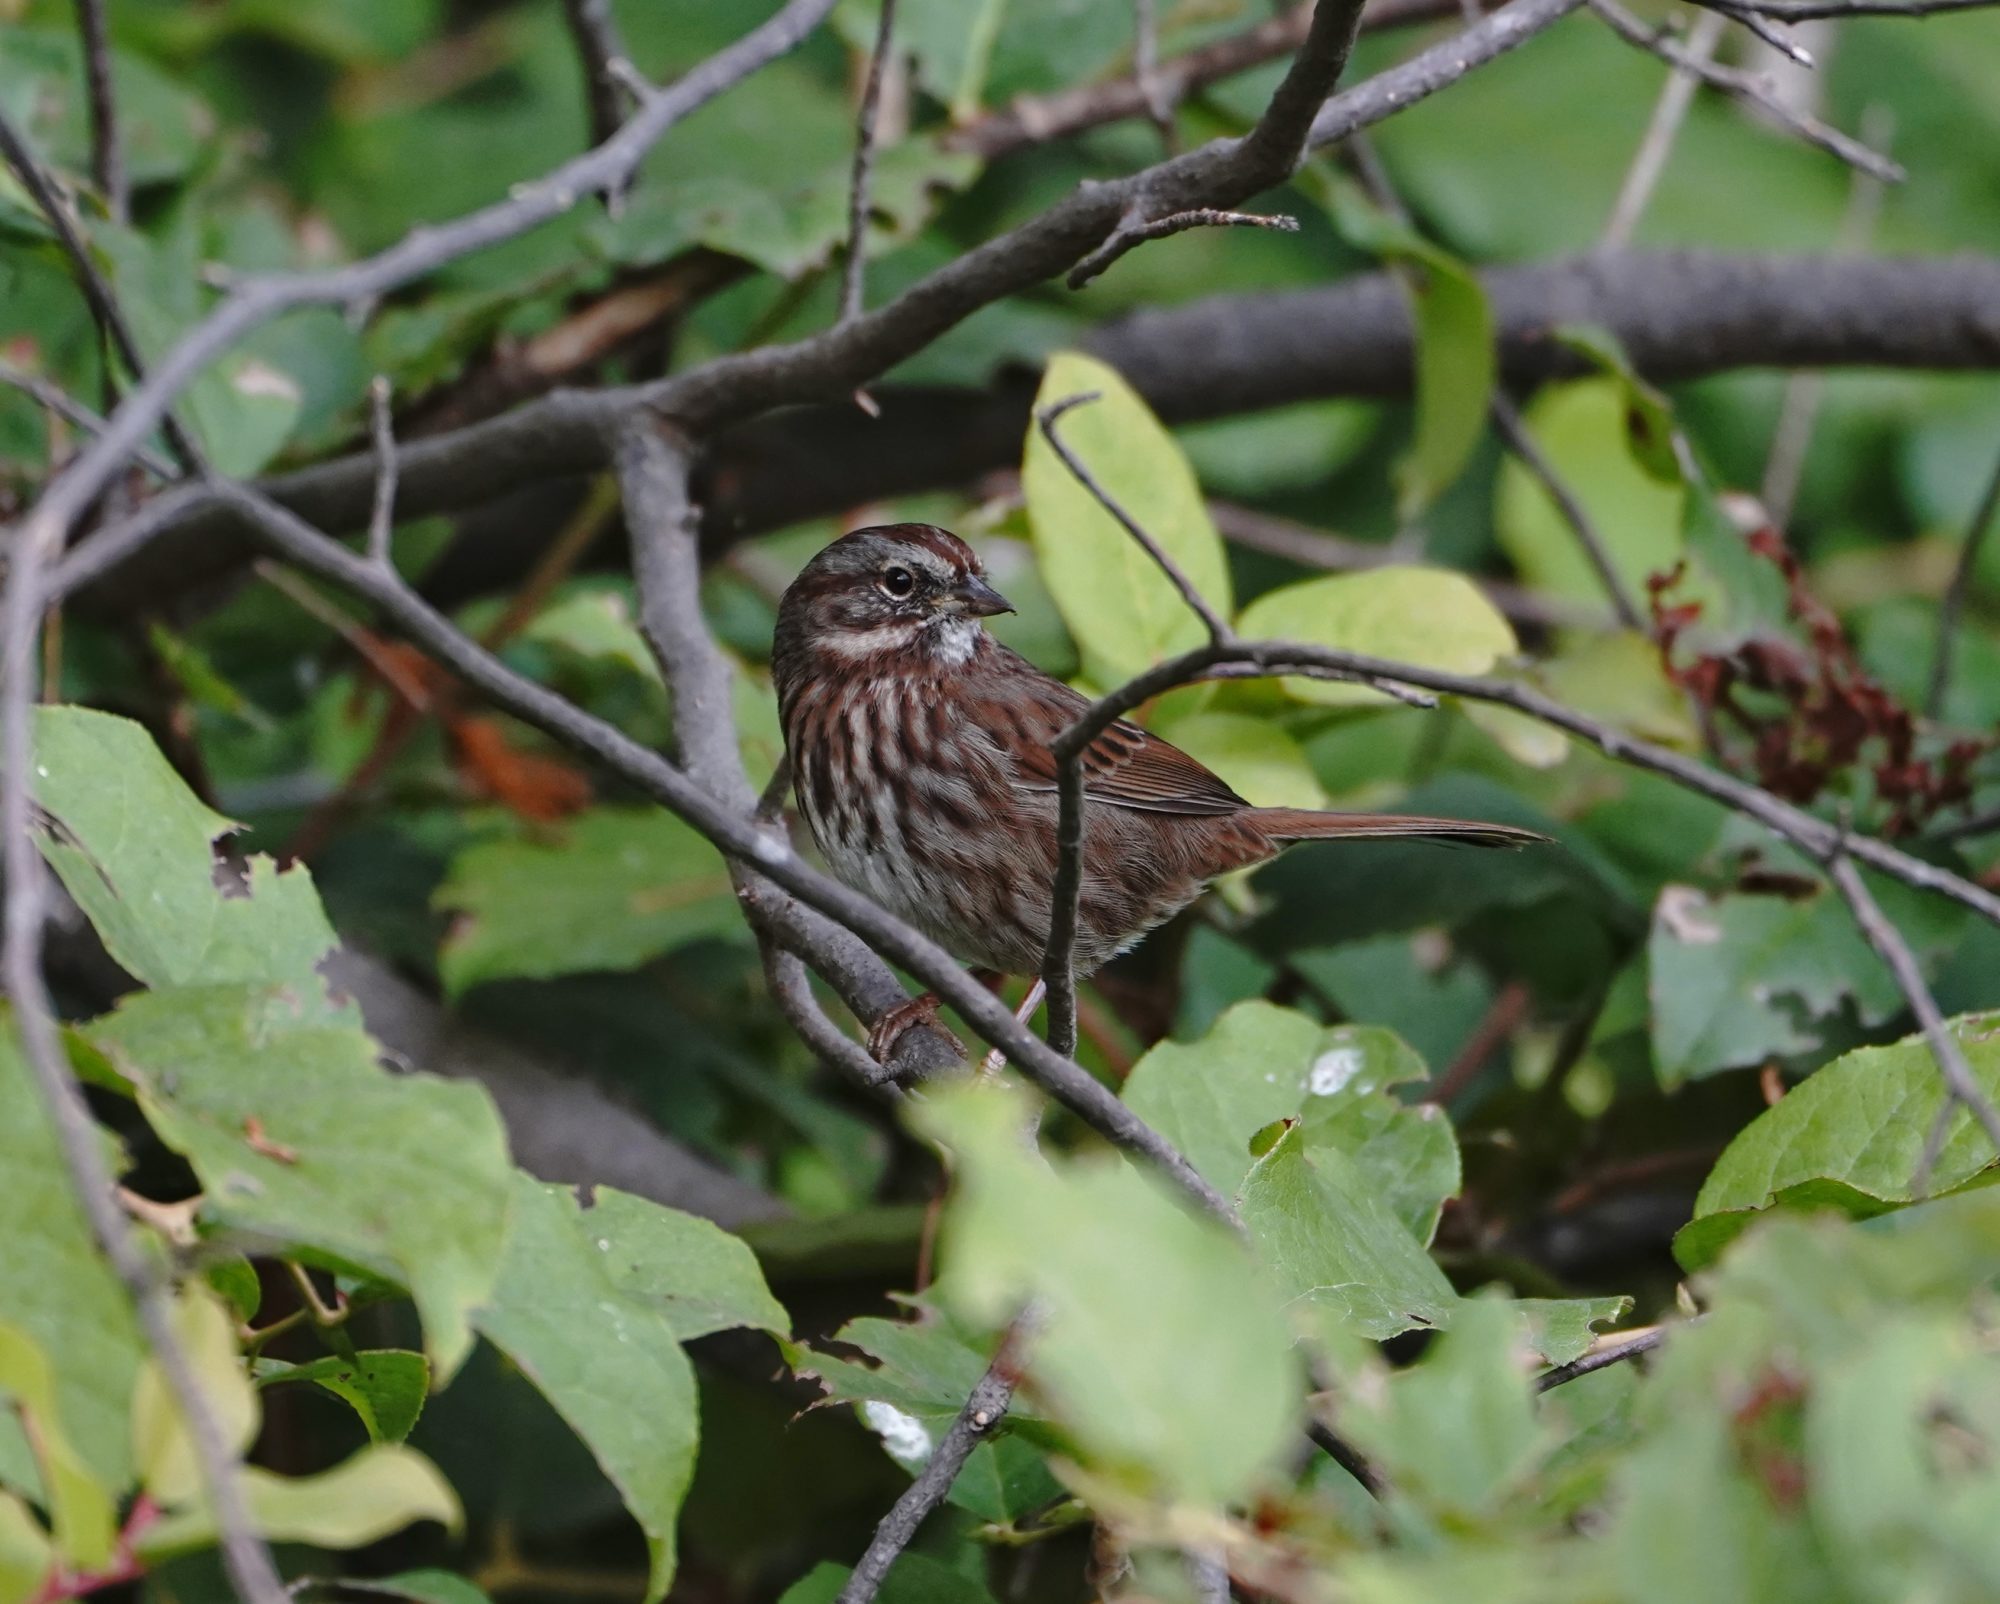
(1124,767)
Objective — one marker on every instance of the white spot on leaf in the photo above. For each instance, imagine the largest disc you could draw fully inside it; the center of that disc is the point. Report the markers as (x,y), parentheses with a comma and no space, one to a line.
(1333,1069)
(902,1434)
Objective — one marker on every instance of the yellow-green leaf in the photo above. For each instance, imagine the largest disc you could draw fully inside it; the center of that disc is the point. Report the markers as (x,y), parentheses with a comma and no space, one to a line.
(1427,617)
(1122,609)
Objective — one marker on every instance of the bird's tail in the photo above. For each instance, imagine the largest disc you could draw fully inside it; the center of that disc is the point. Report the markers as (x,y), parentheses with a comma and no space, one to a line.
(1305,824)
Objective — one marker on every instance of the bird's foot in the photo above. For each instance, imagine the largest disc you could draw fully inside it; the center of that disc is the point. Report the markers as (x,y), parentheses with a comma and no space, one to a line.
(890,1029)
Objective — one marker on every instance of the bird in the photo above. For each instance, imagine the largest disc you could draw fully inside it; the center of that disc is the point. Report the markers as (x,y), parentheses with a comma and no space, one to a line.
(920,755)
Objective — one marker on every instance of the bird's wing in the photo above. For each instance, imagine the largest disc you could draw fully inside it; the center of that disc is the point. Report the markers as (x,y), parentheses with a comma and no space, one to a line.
(1124,767)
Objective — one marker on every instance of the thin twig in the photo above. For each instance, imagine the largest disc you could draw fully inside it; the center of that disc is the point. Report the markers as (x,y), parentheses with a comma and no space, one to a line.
(1809,10)
(1146,68)
(1961,1085)
(608,90)
(1669,111)
(256,301)
(1137,229)
(985,1407)
(1256,530)
(78,1139)
(1791,438)
(1059,954)
(1514,432)
(1951,611)
(1602,1358)
(103,305)
(1046,420)
(107,159)
(67,407)
(1753,89)
(791,989)
(854,267)
(382,518)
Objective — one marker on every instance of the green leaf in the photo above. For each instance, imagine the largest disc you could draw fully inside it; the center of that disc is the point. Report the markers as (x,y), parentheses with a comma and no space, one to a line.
(1261,1063)
(1123,611)
(385,1386)
(1582,430)
(915,1578)
(1850,1138)
(243,406)
(1456,369)
(133,846)
(163,129)
(1109,1358)
(377,1492)
(596,623)
(1424,616)
(421,1587)
(1346,1262)
(299,1134)
(1258,759)
(1458,1429)
(55,1286)
(162,1443)
(1902,1478)
(608,889)
(1736,979)
(26,1554)
(699,1277)
(923,1368)
(609,1361)
(1562,1329)
(80,1506)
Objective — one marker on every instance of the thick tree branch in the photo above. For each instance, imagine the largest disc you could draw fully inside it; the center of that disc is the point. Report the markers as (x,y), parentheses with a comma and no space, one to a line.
(1677,314)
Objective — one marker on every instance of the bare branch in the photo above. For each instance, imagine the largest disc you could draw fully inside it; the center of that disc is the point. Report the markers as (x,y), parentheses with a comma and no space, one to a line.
(985,1407)
(1602,1358)
(1669,111)
(1135,230)
(1507,419)
(791,989)
(1035,119)
(854,268)
(65,406)
(382,519)
(1752,88)
(78,1139)
(1791,436)
(1256,530)
(1952,610)
(1046,420)
(256,301)
(1808,10)
(103,307)
(1961,1085)
(107,159)
(1146,69)
(610,94)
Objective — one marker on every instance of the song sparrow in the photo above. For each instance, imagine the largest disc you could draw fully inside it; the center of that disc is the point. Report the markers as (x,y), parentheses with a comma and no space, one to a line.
(920,758)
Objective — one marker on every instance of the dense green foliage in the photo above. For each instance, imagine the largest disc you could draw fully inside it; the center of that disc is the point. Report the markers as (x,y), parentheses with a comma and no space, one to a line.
(1474,1110)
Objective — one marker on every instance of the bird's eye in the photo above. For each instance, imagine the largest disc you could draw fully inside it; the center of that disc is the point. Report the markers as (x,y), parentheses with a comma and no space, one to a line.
(898,581)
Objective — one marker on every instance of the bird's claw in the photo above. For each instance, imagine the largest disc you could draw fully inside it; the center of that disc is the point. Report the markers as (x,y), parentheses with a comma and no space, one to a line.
(890,1029)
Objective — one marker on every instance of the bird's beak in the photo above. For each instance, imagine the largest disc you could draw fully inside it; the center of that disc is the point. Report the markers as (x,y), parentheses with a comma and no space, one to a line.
(978,598)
